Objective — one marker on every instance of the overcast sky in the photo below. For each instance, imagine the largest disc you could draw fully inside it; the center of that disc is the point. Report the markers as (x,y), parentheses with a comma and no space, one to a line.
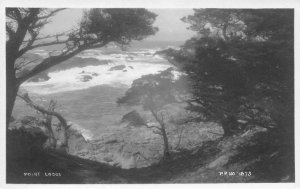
(171,28)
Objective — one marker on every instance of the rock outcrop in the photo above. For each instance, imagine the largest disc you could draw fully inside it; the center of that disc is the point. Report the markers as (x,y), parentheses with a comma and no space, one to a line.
(119,67)
(85,78)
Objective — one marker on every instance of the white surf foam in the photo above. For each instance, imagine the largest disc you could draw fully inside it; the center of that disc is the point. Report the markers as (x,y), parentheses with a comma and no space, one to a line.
(71,79)
(139,62)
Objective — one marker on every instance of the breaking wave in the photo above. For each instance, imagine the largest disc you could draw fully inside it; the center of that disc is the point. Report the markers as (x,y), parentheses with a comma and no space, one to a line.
(124,67)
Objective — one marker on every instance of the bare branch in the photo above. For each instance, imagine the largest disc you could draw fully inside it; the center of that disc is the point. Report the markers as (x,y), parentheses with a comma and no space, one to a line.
(28,20)
(33,35)
(11,17)
(45,64)
(14,14)
(30,47)
(23,64)
(49,112)
(65,33)
(27,99)
(52,13)
(54,60)
(49,44)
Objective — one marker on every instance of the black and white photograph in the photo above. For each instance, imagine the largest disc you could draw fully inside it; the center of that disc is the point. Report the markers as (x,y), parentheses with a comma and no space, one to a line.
(148,95)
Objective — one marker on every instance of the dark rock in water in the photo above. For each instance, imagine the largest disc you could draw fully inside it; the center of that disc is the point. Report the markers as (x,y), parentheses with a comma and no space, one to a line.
(130,67)
(86,78)
(133,118)
(90,73)
(124,70)
(40,77)
(119,67)
(68,64)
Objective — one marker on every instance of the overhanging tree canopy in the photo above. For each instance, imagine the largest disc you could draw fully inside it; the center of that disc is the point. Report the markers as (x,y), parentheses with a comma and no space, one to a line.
(243,59)
(97,28)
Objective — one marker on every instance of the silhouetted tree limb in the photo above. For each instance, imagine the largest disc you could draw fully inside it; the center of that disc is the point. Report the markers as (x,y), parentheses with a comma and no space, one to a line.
(51,13)
(41,109)
(95,30)
(49,112)
(179,138)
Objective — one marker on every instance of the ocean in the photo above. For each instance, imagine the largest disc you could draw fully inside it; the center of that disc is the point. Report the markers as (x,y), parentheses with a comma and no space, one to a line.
(87,86)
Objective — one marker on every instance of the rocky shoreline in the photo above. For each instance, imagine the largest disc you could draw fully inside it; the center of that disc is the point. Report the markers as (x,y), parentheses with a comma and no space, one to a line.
(127,146)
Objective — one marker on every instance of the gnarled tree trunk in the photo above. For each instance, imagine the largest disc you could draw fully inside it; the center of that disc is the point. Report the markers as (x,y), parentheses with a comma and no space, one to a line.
(63,123)
(162,133)
(48,123)
(12,86)
(166,142)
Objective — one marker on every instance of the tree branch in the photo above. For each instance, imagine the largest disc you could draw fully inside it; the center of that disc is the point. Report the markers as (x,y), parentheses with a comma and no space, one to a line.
(33,35)
(65,33)
(22,64)
(27,20)
(52,13)
(54,60)
(30,47)
(49,44)
(157,119)
(45,64)
(27,99)
(14,14)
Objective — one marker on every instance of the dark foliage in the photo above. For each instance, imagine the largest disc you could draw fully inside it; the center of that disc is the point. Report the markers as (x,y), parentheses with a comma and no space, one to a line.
(152,91)
(120,25)
(241,64)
